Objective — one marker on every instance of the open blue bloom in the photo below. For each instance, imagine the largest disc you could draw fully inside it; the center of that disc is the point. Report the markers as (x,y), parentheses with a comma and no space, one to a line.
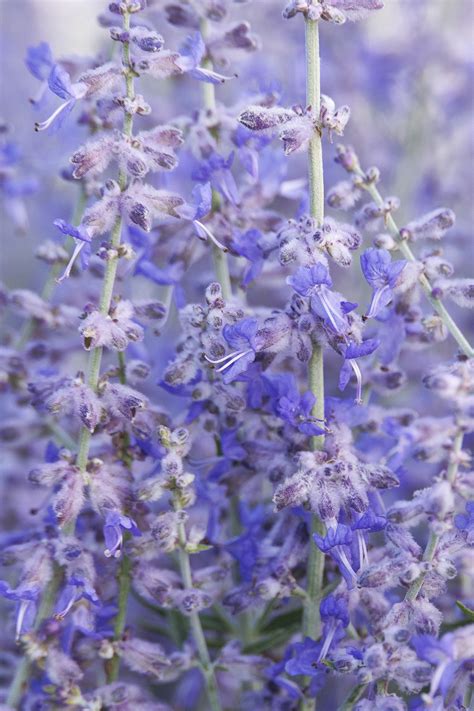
(449,655)
(336,542)
(60,84)
(78,587)
(351,353)
(249,145)
(231,451)
(167,276)
(305,659)
(114,523)
(294,408)
(217,170)
(335,615)
(26,595)
(193,52)
(328,305)
(241,337)
(39,61)
(246,244)
(245,548)
(82,238)
(465,522)
(383,275)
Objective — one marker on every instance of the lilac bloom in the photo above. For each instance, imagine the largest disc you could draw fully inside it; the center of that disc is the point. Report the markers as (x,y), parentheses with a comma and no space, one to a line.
(202,202)
(231,451)
(78,587)
(26,596)
(217,170)
(383,275)
(290,405)
(193,53)
(351,353)
(241,337)
(315,282)
(60,84)
(249,145)
(40,62)
(335,615)
(306,656)
(167,276)
(246,244)
(465,522)
(245,548)
(82,238)
(336,542)
(114,523)
(448,655)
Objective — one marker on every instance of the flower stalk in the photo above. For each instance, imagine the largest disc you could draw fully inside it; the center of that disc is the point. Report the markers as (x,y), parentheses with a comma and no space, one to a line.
(405,249)
(95,358)
(315,568)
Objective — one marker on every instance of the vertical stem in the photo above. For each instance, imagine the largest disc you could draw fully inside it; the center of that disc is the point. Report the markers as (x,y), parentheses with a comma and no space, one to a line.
(196,627)
(315,569)
(23,671)
(405,249)
(430,549)
(221,265)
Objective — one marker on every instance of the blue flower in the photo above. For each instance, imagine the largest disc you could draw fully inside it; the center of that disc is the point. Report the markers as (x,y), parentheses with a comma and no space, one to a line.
(246,244)
(192,53)
(336,542)
(114,523)
(240,336)
(335,615)
(383,275)
(351,353)
(290,405)
(39,61)
(217,170)
(82,238)
(328,305)
(465,522)
(60,84)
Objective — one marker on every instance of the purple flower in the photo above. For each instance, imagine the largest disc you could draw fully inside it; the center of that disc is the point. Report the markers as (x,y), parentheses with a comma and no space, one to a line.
(192,54)
(241,337)
(290,405)
(328,305)
(351,353)
(217,170)
(383,275)
(114,523)
(246,244)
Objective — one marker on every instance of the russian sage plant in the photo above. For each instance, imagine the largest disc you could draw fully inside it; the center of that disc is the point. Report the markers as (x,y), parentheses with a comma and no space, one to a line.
(237,425)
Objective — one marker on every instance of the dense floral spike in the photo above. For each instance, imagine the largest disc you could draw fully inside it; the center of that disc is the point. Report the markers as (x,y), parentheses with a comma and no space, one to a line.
(239,488)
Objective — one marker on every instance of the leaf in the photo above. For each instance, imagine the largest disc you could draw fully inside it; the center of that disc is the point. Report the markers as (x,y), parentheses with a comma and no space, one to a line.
(291,618)
(466,611)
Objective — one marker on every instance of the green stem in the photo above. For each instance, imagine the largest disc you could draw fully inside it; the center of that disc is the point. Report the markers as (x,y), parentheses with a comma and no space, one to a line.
(95,358)
(433,540)
(196,627)
(405,249)
(315,570)
(23,672)
(221,264)
(124,580)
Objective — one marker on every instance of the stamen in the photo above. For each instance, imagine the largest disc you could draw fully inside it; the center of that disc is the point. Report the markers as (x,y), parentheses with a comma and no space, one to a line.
(327,641)
(67,272)
(374,304)
(221,360)
(345,562)
(207,231)
(334,317)
(234,360)
(43,125)
(358,374)
(21,616)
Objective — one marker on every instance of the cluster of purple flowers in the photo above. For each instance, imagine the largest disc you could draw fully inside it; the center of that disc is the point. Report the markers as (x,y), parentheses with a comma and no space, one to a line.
(244,488)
